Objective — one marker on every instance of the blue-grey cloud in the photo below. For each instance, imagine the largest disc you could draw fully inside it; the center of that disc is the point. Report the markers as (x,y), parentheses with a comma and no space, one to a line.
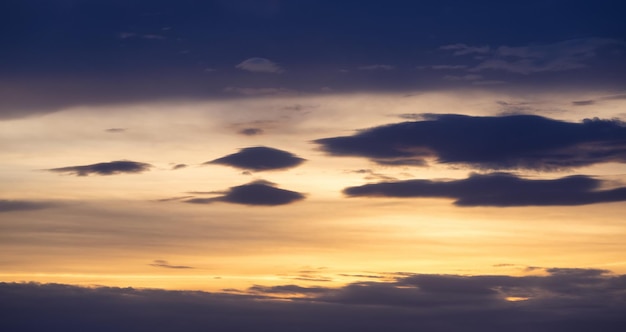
(115,130)
(560,300)
(506,142)
(287,289)
(259,158)
(498,189)
(255,193)
(165,264)
(107,168)
(251,131)
(260,65)
(22,205)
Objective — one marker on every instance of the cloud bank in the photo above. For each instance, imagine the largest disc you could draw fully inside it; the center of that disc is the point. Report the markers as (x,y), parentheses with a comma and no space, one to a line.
(561,300)
(498,189)
(506,142)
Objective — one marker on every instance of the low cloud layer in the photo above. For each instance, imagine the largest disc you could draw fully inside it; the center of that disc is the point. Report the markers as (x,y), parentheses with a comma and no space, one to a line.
(498,189)
(110,168)
(259,158)
(558,300)
(22,205)
(255,193)
(506,142)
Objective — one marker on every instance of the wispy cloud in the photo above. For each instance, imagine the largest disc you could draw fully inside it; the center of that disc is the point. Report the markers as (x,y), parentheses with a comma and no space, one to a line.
(165,264)
(377,67)
(260,65)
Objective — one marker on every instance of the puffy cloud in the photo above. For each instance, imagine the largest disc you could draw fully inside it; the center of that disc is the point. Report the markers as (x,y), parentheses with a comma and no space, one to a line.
(255,193)
(259,158)
(506,142)
(107,168)
(260,65)
(498,189)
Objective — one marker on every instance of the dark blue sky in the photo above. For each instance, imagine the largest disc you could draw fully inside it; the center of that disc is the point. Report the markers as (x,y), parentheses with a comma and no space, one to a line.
(58,53)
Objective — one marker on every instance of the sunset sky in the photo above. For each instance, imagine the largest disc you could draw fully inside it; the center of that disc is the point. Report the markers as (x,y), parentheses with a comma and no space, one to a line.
(351,165)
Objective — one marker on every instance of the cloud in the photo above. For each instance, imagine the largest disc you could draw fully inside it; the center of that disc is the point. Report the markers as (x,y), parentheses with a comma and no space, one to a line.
(468,77)
(165,264)
(561,300)
(498,189)
(259,158)
(22,205)
(259,91)
(260,65)
(251,131)
(179,166)
(110,168)
(377,67)
(254,193)
(463,49)
(115,130)
(287,289)
(562,56)
(127,35)
(583,102)
(505,142)
(443,67)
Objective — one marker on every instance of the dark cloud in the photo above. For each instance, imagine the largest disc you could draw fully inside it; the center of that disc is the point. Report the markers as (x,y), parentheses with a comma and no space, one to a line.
(583,102)
(259,158)
(115,130)
(165,264)
(505,142)
(561,300)
(255,193)
(287,289)
(21,205)
(251,131)
(110,168)
(498,189)
(179,166)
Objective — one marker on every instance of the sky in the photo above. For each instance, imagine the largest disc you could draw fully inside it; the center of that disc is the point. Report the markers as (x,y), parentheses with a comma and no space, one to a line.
(306,165)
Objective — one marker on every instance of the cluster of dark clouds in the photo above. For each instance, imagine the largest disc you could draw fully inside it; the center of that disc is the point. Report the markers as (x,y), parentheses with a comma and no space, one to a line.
(106,168)
(259,192)
(511,142)
(507,142)
(498,189)
(559,300)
